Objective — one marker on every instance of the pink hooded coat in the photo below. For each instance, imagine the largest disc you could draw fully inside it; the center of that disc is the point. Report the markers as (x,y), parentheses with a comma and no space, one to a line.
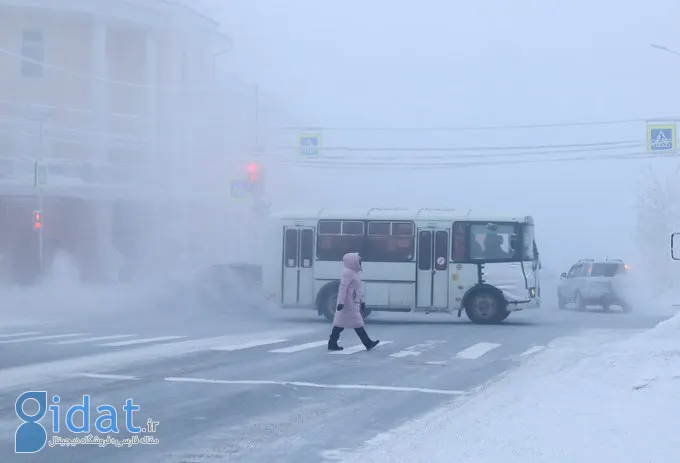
(350,294)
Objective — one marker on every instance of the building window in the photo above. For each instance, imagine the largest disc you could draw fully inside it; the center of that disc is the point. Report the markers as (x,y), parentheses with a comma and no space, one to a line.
(33,53)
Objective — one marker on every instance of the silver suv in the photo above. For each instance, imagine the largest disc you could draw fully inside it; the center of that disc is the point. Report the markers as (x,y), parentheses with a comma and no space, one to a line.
(593,282)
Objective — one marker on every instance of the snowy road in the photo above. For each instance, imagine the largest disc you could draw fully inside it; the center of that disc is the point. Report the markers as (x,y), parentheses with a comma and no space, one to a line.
(239,389)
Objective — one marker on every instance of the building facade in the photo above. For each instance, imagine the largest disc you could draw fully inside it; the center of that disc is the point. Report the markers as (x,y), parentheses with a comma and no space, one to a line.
(118,103)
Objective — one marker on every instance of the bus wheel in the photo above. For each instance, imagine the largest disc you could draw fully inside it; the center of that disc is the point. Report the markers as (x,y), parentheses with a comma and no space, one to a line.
(485,308)
(504,315)
(327,300)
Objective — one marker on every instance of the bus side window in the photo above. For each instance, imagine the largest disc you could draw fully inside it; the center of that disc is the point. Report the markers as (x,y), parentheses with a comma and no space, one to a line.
(337,237)
(459,248)
(390,242)
(290,249)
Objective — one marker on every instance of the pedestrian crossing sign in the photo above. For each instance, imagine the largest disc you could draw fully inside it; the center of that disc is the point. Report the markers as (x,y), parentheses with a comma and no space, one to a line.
(661,138)
(310,144)
(239,189)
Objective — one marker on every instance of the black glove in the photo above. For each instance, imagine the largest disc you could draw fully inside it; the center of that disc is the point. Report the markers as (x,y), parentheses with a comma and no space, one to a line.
(339,308)
(363,307)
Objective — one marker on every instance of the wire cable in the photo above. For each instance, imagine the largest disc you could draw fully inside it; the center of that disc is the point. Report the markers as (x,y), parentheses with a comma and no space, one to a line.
(453,165)
(481,127)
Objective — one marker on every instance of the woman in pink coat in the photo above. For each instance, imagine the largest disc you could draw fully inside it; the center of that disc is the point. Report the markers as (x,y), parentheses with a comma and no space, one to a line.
(351,305)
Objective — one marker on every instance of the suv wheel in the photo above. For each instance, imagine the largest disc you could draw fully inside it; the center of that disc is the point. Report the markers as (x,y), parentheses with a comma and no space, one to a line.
(561,303)
(626,307)
(580,303)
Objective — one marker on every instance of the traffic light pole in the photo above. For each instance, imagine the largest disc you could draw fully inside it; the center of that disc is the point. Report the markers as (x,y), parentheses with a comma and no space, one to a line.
(41,237)
(256,192)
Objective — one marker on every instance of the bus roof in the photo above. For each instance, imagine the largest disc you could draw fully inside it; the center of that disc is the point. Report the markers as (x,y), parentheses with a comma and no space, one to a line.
(396,213)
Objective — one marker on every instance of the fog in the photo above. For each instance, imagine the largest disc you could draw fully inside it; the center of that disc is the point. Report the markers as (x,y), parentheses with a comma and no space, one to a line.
(408,69)
(521,107)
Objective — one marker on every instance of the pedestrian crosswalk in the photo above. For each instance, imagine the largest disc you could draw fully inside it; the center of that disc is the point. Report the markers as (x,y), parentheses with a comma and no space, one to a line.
(434,351)
(477,350)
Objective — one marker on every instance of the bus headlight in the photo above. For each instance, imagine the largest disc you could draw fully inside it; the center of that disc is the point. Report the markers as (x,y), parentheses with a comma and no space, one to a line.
(532,292)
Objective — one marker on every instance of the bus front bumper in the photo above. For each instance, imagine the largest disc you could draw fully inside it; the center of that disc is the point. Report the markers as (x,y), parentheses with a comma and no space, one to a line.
(533,303)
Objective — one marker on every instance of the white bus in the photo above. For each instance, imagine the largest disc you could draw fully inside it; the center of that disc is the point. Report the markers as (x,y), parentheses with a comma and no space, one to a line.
(426,260)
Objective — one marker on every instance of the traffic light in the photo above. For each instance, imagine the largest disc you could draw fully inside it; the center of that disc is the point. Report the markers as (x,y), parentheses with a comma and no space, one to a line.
(37,220)
(255,179)
(253,172)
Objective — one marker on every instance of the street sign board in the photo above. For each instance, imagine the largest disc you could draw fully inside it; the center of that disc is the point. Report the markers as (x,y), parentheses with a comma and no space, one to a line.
(661,138)
(310,144)
(39,174)
(239,188)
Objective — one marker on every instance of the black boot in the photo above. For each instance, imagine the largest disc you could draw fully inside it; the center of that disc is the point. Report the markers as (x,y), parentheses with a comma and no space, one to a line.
(361,332)
(333,339)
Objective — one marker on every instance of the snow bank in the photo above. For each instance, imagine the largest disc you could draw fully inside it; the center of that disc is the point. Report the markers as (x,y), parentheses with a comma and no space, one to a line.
(574,403)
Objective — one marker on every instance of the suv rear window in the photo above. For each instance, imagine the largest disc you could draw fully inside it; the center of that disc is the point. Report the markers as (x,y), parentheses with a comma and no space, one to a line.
(605,270)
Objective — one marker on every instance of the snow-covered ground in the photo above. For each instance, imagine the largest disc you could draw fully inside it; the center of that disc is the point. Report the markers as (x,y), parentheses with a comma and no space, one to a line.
(578,402)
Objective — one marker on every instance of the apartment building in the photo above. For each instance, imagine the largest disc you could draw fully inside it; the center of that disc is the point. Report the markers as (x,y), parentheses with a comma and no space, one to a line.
(115,105)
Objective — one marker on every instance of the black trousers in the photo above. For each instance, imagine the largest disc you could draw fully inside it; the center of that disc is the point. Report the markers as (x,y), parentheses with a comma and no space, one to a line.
(361,332)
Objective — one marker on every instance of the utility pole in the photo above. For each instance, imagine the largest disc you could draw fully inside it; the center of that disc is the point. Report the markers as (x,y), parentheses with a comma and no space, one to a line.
(257,190)
(40,181)
(41,200)
(258,110)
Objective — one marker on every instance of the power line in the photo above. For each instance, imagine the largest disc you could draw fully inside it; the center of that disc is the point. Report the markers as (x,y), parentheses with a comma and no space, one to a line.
(478,155)
(482,152)
(453,165)
(480,127)
(469,148)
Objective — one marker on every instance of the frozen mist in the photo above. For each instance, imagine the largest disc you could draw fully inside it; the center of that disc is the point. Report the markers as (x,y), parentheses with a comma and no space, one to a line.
(173,147)
(145,143)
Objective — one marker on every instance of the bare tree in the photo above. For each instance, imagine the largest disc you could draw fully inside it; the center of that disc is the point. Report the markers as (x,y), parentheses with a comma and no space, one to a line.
(658,215)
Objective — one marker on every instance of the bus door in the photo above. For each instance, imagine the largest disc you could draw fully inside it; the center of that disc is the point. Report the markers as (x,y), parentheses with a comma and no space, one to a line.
(432,278)
(298,266)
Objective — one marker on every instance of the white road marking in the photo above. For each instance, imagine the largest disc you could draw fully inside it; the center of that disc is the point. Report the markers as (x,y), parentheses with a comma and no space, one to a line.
(42,338)
(416,349)
(365,387)
(27,375)
(532,350)
(357,348)
(405,353)
(140,341)
(477,350)
(16,335)
(104,376)
(248,345)
(98,338)
(299,347)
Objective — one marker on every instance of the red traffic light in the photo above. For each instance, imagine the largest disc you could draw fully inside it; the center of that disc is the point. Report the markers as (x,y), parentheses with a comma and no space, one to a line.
(37,220)
(253,170)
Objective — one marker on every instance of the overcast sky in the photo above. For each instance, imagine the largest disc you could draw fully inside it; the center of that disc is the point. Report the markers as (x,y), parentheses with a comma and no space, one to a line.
(489,62)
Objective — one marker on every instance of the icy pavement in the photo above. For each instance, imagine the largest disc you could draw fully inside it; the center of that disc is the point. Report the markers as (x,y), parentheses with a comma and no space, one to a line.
(585,402)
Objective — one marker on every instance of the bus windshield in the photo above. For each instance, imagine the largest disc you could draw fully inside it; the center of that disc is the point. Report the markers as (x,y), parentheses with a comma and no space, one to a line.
(492,241)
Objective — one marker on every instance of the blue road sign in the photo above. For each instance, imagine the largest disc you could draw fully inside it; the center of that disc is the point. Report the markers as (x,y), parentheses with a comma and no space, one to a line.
(310,144)
(239,189)
(661,138)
